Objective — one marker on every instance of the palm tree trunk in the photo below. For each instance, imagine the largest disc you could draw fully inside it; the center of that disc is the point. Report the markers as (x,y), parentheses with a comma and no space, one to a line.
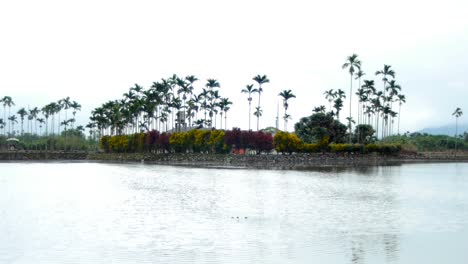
(250,112)
(350,102)
(456,132)
(399,112)
(258,116)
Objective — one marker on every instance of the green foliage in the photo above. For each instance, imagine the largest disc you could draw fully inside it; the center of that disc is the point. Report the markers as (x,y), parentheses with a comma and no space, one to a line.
(104,143)
(387,149)
(364,134)
(349,148)
(311,148)
(179,142)
(119,144)
(426,142)
(285,142)
(216,142)
(320,126)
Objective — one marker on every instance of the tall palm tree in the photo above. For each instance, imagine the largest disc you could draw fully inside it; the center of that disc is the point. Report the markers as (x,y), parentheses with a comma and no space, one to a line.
(260,79)
(223,104)
(34,112)
(457,113)
(258,113)
(330,95)
(7,101)
(249,90)
(353,64)
(40,121)
(13,120)
(2,124)
(385,72)
(401,99)
(393,88)
(76,107)
(359,75)
(286,95)
(22,113)
(338,103)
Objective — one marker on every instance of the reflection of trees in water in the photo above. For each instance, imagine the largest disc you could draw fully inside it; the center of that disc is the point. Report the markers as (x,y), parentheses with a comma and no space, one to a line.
(389,241)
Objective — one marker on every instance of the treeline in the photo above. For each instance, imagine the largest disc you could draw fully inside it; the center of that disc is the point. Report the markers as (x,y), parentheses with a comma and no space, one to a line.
(70,140)
(427,142)
(230,141)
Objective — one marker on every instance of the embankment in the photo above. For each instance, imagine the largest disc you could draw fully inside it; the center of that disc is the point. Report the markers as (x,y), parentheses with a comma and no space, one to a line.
(273,161)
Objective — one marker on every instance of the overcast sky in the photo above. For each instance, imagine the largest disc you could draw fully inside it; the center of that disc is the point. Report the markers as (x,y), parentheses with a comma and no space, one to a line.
(93,51)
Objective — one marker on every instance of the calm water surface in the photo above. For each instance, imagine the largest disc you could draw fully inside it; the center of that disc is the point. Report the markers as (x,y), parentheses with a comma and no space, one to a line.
(135,213)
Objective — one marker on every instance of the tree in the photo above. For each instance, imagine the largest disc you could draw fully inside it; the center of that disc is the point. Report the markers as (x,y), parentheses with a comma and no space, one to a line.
(364,134)
(338,103)
(34,112)
(352,63)
(457,113)
(249,90)
(22,113)
(260,79)
(385,72)
(13,120)
(321,128)
(224,106)
(401,99)
(286,95)
(258,113)
(330,95)
(7,101)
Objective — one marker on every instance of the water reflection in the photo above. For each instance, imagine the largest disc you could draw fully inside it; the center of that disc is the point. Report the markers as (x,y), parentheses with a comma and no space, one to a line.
(147,214)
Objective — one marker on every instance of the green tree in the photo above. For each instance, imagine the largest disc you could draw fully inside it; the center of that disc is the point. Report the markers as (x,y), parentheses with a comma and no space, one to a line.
(260,79)
(457,113)
(7,101)
(249,90)
(320,128)
(352,64)
(22,113)
(286,95)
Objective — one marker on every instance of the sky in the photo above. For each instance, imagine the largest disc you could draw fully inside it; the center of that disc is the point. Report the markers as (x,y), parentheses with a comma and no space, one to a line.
(94,51)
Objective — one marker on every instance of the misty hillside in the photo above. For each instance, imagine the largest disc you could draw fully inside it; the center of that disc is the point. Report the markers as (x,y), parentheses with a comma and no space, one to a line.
(445,130)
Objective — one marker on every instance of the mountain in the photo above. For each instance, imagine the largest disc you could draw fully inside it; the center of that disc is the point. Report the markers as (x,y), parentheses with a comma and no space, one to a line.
(445,130)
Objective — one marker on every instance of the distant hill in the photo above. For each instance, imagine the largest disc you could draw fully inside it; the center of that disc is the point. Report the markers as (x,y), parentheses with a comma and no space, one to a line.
(445,130)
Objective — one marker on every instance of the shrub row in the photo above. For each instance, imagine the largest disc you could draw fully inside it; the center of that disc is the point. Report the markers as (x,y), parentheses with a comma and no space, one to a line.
(219,141)
(198,141)
(288,143)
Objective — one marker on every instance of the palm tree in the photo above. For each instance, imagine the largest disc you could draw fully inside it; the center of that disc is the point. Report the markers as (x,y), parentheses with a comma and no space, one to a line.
(41,121)
(401,99)
(286,95)
(258,113)
(34,112)
(330,95)
(7,101)
(260,79)
(223,104)
(338,103)
(76,107)
(249,90)
(22,113)
(359,75)
(385,72)
(352,63)
(13,120)
(457,113)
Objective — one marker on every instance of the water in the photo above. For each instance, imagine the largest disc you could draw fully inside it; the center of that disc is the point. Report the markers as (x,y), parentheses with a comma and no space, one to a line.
(135,213)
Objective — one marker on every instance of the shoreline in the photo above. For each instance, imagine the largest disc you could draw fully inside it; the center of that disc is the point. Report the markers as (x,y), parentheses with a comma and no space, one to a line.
(234,161)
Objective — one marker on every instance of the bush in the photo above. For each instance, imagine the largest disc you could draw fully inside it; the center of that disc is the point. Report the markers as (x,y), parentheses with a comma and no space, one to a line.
(104,143)
(311,148)
(118,144)
(285,142)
